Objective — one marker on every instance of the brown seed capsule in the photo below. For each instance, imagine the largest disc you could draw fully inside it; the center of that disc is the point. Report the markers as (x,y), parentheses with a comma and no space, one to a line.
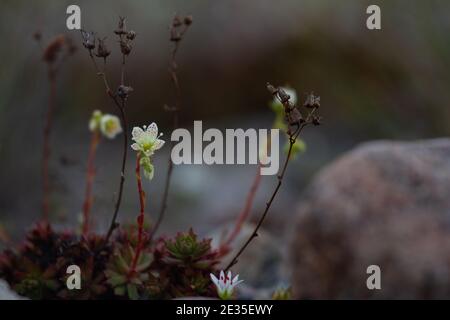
(125,47)
(188,20)
(294,116)
(271,89)
(88,39)
(102,50)
(121,28)
(312,101)
(317,121)
(284,97)
(124,91)
(174,35)
(176,22)
(131,35)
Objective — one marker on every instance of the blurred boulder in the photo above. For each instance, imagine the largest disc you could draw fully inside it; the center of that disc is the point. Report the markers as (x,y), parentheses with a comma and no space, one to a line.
(386,204)
(6,293)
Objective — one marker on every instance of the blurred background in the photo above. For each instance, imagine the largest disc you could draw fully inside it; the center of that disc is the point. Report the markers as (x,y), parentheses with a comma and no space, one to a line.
(388,84)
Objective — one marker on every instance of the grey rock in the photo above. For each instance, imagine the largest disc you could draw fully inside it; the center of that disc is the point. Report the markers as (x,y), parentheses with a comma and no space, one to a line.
(386,204)
(6,293)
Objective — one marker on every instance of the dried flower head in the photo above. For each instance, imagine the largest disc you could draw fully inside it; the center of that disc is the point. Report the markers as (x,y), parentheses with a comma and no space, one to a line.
(121,28)
(131,35)
(124,91)
(88,39)
(125,47)
(312,101)
(188,20)
(225,284)
(102,50)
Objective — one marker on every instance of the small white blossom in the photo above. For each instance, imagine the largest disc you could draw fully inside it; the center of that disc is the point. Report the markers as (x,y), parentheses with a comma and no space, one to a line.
(107,124)
(146,142)
(110,126)
(225,284)
(147,139)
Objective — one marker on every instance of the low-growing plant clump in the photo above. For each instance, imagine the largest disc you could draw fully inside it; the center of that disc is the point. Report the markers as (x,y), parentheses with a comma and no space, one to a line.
(133,262)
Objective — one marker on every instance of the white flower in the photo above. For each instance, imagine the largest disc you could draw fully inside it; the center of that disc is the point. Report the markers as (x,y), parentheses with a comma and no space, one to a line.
(292,94)
(147,139)
(110,126)
(107,124)
(225,284)
(94,122)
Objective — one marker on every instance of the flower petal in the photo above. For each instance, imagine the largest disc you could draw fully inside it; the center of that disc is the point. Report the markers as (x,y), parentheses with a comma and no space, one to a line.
(214,279)
(158,144)
(228,279)
(135,147)
(137,132)
(153,130)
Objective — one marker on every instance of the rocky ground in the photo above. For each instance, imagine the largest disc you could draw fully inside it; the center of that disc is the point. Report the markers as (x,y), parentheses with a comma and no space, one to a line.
(384,203)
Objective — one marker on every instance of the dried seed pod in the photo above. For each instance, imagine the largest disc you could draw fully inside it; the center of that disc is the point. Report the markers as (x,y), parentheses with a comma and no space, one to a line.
(312,101)
(174,35)
(125,47)
(88,39)
(317,120)
(271,89)
(124,91)
(121,28)
(102,50)
(294,117)
(176,22)
(284,97)
(188,20)
(131,35)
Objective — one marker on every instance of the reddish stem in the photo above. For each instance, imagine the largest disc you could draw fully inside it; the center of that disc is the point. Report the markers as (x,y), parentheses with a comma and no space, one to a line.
(46,147)
(245,211)
(89,181)
(140,219)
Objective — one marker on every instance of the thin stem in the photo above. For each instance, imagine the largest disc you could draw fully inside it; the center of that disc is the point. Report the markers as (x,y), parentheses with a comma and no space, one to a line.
(89,181)
(247,208)
(122,76)
(173,75)
(140,219)
(113,224)
(121,106)
(292,138)
(46,147)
